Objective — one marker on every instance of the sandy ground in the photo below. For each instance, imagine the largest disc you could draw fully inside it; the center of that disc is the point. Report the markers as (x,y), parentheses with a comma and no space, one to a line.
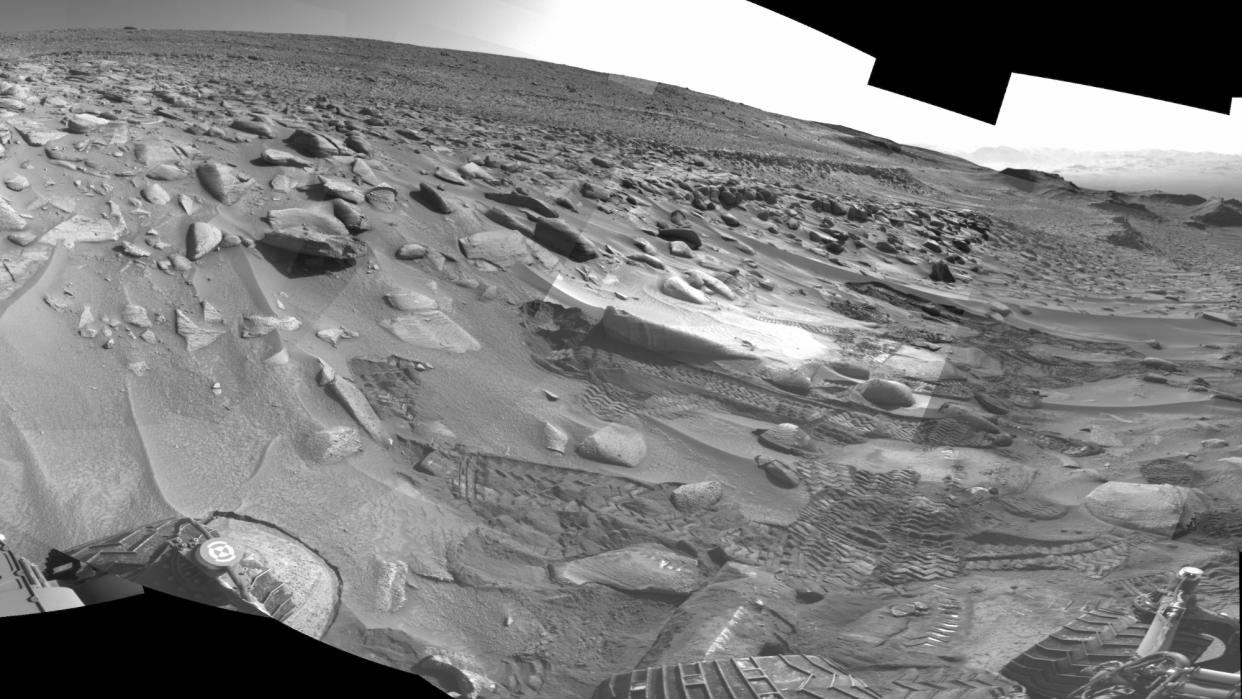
(1078,361)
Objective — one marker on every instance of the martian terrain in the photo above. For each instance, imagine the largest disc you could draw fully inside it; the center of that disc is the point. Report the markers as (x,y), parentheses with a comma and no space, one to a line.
(551,375)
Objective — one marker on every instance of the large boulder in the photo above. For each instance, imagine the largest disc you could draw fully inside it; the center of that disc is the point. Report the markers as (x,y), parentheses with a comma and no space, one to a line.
(1160,509)
(642,568)
(663,337)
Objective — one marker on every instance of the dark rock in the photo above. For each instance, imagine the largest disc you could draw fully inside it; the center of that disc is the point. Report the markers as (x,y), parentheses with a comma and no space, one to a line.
(272,156)
(308,242)
(525,201)
(315,145)
(940,272)
(201,239)
(349,215)
(560,238)
(433,199)
(684,235)
(778,473)
(359,144)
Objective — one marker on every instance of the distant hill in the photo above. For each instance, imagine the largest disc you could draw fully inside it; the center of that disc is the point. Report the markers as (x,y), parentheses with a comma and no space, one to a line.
(1177,172)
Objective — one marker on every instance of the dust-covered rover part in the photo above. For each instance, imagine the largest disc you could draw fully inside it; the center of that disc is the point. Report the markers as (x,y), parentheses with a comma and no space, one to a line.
(181,557)
(25,590)
(1159,649)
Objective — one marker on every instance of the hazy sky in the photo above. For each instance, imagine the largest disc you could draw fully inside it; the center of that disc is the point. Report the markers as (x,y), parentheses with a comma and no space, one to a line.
(729,48)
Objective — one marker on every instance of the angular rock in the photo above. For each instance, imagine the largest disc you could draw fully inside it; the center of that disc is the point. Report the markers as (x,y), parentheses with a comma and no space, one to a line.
(84,229)
(1218,317)
(155,194)
(431,329)
(334,335)
(201,239)
(643,568)
(36,134)
(940,272)
(222,182)
(340,189)
(449,176)
(788,438)
(679,249)
(354,401)
(313,144)
(793,379)
(312,243)
(695,497)
(778,472)
(615,444)
(272,156)
(649,260)
(411,251)
(257,128)
(359,144)
(1159,363)
(84,123)
(555,439)
(473,171)
(1158,509)
(887,394)
(349,215)
(503,218)
(382,197)
(22,239)
(433,199)
(560,238)
(166,172)
(502,248)
(196,336)
(136,316)
(525,201)
(281,219)
(660,337)
(258,326)
(333,445)
(677,287)
(10,220)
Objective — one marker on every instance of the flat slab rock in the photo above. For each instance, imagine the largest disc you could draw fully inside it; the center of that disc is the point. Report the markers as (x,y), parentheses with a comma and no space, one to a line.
(642,568)
(1159,509)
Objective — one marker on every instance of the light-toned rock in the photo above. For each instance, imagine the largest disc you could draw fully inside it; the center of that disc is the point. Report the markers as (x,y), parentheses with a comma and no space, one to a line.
(1159,509)
(201,239)
(679,288)
(333,445)
(615,444)
(643,568)
(886,393)
(693,497)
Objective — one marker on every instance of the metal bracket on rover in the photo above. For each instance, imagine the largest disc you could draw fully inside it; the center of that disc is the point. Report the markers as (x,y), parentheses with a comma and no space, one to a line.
(1158,649)
(1155,671)
(179,556)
